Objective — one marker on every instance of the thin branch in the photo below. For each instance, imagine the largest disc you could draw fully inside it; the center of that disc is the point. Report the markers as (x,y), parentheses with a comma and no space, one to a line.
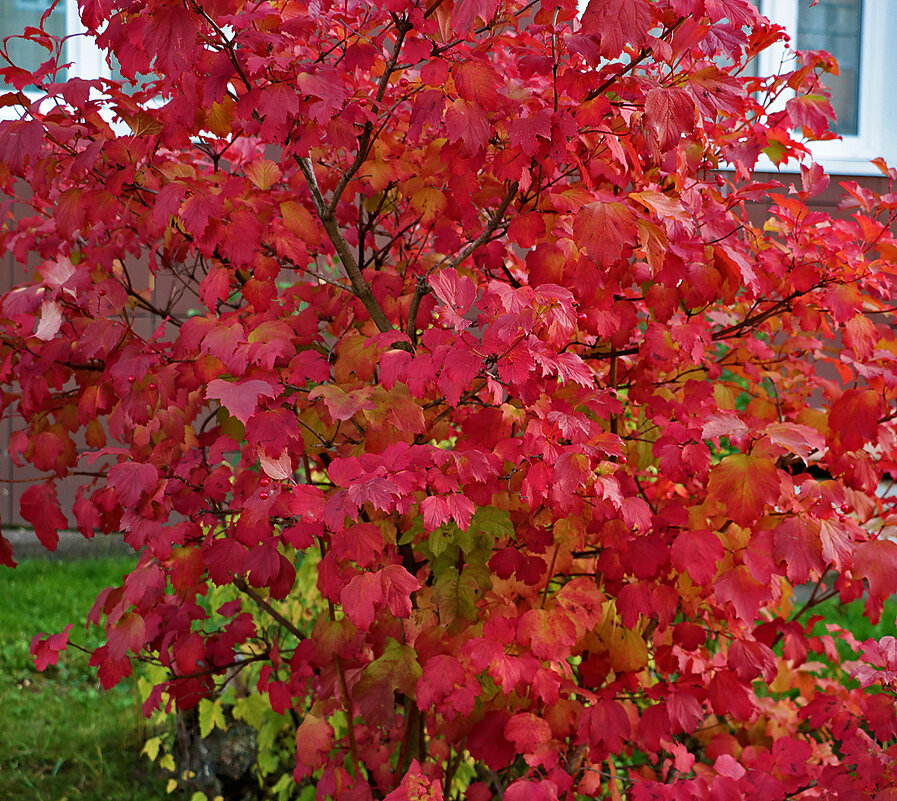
(243,587)
(364,141)
(493,223)
(350,718)
(411,714)
(423,287)
(643,54)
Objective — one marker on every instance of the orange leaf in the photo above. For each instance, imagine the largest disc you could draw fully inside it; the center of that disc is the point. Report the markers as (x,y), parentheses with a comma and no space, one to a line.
(743,485)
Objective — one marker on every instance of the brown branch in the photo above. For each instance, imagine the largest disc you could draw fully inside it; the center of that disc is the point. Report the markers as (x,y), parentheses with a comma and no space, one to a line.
(360,286)
(731,332)
(420,290)
(242,586)
(423,287)
(350,719)
(411,714)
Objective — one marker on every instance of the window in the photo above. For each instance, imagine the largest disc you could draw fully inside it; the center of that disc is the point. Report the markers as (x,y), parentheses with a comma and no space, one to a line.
(837,27)
(862,35)
(16,15)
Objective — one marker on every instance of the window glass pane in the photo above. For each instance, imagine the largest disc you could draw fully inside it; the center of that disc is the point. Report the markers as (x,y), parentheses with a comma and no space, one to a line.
(836,26)
(15,16)
(141,78)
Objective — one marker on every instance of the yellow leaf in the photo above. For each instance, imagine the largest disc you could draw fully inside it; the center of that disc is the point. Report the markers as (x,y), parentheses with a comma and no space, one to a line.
(211,715)
(264,173)
(299,221)
(724,396)
(429,202)
(142,123)
(220,117)
(151,748)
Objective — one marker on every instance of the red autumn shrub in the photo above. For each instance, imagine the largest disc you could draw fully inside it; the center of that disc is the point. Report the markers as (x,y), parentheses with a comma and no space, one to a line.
(452,397)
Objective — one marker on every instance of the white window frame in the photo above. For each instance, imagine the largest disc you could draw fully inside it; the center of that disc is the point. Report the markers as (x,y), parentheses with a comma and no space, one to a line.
(877,121)
(86,58)
(79,51)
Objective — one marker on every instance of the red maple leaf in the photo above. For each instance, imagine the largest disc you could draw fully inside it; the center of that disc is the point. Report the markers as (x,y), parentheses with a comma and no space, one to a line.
(487,741)
(528,732)
(398,586)
(7,557)
(729,696)
(340,404)
(853,419)
(241,398)
(456,293)
(604,229)
(467,122)
(743,591)
(361,597)
(876,562)
(128,634)
(797,544)
(697,553)
(275,430)
(314,739)
(465,12)
(549,635)
(616,22)
(670,113)
(169,34)
(46,649)
(131,480)
(40,507)
(20,142)
(605,726)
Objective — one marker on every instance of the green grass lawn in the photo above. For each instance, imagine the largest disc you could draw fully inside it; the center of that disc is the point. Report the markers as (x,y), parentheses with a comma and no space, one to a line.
(63,738)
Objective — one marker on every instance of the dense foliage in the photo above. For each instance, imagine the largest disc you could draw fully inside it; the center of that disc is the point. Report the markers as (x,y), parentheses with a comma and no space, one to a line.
(448,308)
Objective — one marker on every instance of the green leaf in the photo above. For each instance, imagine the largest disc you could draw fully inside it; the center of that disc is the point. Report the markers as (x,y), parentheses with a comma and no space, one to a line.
(211,715)
(442,538)
(251,709)
(492,521)
(397,668)
(456,595)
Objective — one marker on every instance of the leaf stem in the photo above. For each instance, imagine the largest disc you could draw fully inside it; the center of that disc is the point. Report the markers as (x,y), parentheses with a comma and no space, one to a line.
(350,720)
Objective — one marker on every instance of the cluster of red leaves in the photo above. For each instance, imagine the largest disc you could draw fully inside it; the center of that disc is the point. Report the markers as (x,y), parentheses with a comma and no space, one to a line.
(476,323)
